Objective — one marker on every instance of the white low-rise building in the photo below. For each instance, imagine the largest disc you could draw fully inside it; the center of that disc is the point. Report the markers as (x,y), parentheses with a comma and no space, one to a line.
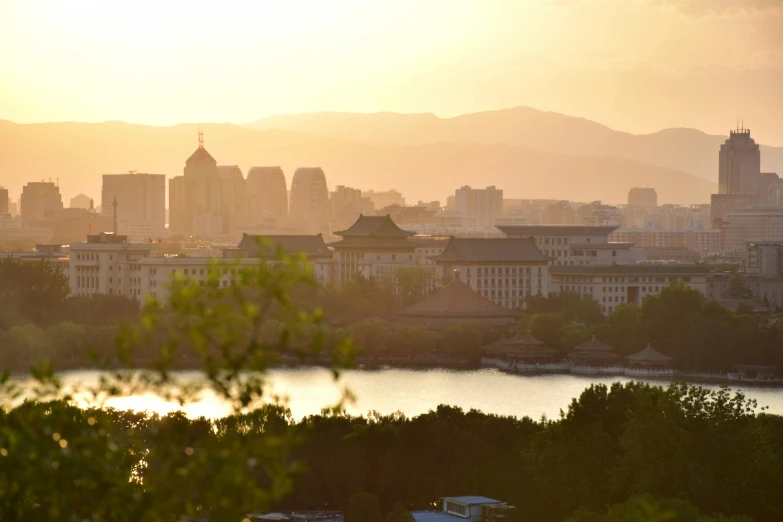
(612,286)
(575,245)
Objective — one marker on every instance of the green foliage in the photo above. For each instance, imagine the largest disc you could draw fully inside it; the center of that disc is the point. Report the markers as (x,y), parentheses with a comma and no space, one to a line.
(363,507)
(30,292)
(462,340)
(399,514)
(414,283)
(573,306)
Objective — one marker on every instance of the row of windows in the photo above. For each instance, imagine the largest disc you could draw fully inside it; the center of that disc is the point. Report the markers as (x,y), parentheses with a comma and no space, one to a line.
(512,271)
(90,257)
(500,282)
(554,241)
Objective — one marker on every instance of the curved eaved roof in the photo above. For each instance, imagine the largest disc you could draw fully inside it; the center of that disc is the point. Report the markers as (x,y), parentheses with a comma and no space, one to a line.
(649,355)
(457,300)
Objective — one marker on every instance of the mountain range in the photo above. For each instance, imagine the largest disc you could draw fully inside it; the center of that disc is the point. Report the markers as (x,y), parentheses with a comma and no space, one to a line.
(527,153)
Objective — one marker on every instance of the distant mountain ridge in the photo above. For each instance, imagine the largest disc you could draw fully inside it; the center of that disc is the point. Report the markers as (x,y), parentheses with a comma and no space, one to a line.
(79,153)
(688,150)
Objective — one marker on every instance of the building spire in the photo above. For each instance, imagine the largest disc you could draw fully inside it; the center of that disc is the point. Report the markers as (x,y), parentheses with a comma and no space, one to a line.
(114,203)
(200,137)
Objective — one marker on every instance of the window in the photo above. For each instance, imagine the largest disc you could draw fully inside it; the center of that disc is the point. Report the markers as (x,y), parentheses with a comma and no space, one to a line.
(394,257)
(614,253)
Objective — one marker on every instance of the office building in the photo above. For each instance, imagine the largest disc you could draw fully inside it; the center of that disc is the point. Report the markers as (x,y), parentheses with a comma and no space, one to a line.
(750,225)
(611,286)
(39,200)
(82,201)
(234,197)
(739,165)
(140,203)
(5,201)
(479,207)
(384,198)
(643,197)
(346,204)
(202,193)
(177,221)
(575,245)
(504,270)
(267,193)
(309,208)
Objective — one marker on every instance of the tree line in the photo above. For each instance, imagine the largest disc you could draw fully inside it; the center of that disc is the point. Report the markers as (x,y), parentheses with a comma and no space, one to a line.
(632,448)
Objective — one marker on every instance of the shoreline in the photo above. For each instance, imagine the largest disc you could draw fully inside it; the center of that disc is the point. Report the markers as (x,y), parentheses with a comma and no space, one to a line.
(374,364)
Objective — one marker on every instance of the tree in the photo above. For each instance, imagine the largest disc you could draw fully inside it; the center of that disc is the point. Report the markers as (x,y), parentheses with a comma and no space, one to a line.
(363,507)
(399,514)
(462,340)
(30,292)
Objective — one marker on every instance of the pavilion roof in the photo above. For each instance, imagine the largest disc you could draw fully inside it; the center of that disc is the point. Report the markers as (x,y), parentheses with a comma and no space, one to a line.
(648,355)
(525,346)
(457,300)
(265,246)
(593,349)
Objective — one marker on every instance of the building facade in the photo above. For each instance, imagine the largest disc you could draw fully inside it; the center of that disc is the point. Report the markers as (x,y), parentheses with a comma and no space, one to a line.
(643,197)
(575,245)
(479,207)
(40,200)
(140,200)
(612,286)
(739,165)
(309,206)
(267,192)
(504,270)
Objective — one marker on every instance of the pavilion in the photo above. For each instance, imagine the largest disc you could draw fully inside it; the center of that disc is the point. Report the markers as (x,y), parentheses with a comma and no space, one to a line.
(650,358)
(452,304)
(593,353)
(521,349)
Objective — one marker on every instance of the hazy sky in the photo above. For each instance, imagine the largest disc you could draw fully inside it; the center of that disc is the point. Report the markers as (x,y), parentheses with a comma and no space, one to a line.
(636,65)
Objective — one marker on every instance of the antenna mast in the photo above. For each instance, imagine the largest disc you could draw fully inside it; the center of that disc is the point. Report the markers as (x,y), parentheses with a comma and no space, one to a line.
(200,137)
(114,203)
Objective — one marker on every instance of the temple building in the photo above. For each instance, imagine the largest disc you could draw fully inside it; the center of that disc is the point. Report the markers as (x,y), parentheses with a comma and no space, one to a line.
(374,248)
(455,303)
(649,359)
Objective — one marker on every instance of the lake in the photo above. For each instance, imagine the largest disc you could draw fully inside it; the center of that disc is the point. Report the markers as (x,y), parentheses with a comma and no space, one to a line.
(413,392)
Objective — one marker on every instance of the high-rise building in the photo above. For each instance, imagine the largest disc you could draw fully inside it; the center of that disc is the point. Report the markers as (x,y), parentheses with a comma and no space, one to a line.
(479,207)
(202,196)
(177,221)
(384,198)
(140,203)
(81,201)
(5,202)
(310,200)
(234,199)
(643,197)
(39,200)
(739,165)
(346,205)
(267,193)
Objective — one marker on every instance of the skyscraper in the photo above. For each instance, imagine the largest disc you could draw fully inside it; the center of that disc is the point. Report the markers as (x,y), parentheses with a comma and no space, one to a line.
(643,197)
(310,200)
(203,190)
(739,165)
(177,222)
(39,200)
(234,190)
(479,207)
(267,194)
(141,203)
(4,201)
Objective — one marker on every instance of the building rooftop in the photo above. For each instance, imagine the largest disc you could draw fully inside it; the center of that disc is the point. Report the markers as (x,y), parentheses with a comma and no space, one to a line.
(200,155)
(556,230)
(473,499)
(648,355)
(457,300)
(490,250)
(641,269)
(375,226)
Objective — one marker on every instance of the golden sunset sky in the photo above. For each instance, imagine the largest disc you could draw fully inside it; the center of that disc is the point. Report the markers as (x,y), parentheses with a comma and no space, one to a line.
(635,65)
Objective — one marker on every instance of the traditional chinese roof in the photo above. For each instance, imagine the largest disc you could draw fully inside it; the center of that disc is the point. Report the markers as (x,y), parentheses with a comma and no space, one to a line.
(201,156)
(556,230)
(374,226)
(521,346)
(265,246)
(649,355)
(593,349)
(457,300)
(490,250)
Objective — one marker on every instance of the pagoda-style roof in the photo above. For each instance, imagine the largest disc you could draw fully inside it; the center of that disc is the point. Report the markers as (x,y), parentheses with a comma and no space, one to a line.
(457,301)
(490,250)
(527,347)
(311,246)
(649,355)
(593,349)
(374,226)
(201,156)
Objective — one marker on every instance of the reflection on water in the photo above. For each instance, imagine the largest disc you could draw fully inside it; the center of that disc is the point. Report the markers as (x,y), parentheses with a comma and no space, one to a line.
(410,391)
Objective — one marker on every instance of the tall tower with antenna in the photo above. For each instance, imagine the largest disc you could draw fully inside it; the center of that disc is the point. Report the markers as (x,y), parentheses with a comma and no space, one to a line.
(114,204)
